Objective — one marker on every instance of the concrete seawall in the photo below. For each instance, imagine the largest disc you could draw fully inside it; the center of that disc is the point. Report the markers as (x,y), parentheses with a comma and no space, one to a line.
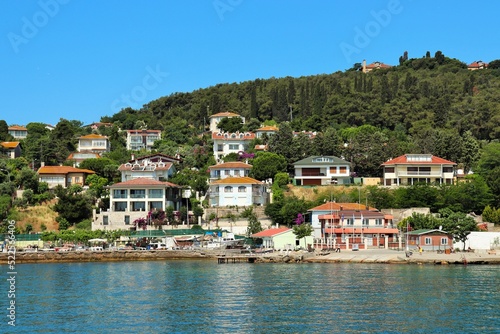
(366,256)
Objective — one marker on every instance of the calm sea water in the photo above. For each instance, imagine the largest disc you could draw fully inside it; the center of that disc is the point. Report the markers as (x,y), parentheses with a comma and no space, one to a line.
(206,297)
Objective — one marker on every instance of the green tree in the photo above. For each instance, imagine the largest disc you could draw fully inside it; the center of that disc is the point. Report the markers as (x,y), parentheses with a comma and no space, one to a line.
(301,229)
(266,165)
(254,225)
(72,204)
(460,226)
(230,124)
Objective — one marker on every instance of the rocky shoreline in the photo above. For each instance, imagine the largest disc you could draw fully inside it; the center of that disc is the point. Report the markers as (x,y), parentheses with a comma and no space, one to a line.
(368,256)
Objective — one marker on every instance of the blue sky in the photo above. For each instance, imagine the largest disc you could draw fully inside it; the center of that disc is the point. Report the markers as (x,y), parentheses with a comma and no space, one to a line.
(80,60)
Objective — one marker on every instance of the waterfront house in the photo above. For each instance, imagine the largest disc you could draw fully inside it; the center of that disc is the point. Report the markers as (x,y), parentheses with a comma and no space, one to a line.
(133,199)
(157,166)
(410,169)
(142,139)
(93,143)
(225,143)
(237,191)
(216,118)
(430,240)
(322,170)
(282,238)
(334,223)
(12,149)
(63,175)
(18,132)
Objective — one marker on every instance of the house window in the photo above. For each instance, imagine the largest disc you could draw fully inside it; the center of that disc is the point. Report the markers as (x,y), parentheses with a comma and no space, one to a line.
(105,220)
(242,189)
(428,241)
(342,170)
(228,189)
(350,221)
(137,193)
(444,241)
(378,222)
(155,193)
(364,222)
(234,147)
(220,148)
(237,173)
(156,205)
(119,193)
(120,206)
(126,219)
(138,206)
(389,169)
(447,169)
(227,172)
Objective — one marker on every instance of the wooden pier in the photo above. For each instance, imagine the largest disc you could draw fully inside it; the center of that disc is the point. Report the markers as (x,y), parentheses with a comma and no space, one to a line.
(236,259)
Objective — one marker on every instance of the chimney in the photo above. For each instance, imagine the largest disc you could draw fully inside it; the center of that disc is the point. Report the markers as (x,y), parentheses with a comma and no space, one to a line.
(364,66)
(132,157)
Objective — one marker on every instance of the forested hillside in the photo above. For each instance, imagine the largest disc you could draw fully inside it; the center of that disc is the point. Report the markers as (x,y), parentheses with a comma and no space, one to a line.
(416,97)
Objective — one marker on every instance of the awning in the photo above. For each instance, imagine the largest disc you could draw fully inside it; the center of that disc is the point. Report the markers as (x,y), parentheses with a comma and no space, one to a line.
(388,217)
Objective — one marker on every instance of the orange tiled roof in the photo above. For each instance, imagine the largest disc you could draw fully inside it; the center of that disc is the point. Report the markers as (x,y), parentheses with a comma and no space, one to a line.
(17,127)
(271,232)
(232,164)
(402,160)
(63,170)
(10,144)
(238,180)
(225,114)
(333,206)
(141,181)
(93,136)
(477,64)
(377,64)
(268,128)
(222,135)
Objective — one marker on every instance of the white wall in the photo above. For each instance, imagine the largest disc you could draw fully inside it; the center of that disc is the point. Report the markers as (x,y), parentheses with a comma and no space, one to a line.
(480,241)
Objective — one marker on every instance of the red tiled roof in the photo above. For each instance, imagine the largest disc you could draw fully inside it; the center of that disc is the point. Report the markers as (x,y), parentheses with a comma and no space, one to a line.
(270,232)
(63,170)
(402,160)
(237,180)
(477,64)
(222,135)
(268,128)
(232,164)
(224,114)
(141,181)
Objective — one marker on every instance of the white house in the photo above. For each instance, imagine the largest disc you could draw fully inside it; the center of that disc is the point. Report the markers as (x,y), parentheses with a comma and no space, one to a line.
(216,118)
(229,169)
(237,191)
(268,130)
(93,143)
(18,132)
(322,170)
(133,199)
(158,167)
(282,238)
(226,143)
(142,139)
(410,169)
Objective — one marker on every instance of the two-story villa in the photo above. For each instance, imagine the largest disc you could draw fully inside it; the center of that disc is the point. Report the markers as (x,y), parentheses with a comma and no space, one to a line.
(93,143)
(410,169)
(18,132)
(226,143)
(229,169)
(63,175)
(322,170)
(142,139)
(133,199)
(159,167)
(216,118)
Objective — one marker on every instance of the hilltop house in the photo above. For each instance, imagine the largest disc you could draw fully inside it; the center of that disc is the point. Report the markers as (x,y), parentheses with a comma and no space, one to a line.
(142,139)
(18,132)
(93,144)
(63,175)
(374,66)
(229,169)
(12,149)
(410,169)
(477,65)
(343,223)
(158,167)
(322,170)
(134,199)
(216,118)
(226,143)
